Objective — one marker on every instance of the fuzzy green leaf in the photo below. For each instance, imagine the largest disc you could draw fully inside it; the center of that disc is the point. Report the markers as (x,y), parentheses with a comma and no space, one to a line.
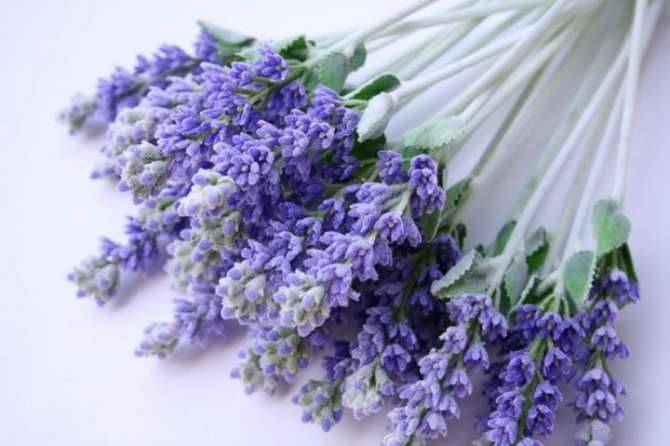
(368,149)
(456,272)
(516,278)
(333,71)
(380,84)
(470,275)
(293,48)
(226,36)
(537,248)
(409,152)
(528,289)
(458,233)
(435,134)
(469,284)
(628,265)
(611,227)
(578,275)
(357,59)
(430,223)
(498,246)
(455,193)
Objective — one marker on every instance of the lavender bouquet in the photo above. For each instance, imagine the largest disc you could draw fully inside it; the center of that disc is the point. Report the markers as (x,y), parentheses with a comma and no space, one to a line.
(267,189)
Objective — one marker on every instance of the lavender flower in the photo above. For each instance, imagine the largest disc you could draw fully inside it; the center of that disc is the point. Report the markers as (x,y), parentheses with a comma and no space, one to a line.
(431,401)
(320,403)
(276,355)
(195,320)
(124,88)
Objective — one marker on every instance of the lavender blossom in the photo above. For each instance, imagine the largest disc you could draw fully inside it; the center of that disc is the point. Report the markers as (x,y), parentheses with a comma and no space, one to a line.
(431,401)
(276,355)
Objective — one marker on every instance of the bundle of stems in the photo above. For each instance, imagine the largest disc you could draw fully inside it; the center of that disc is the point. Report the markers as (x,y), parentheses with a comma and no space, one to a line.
(269,188)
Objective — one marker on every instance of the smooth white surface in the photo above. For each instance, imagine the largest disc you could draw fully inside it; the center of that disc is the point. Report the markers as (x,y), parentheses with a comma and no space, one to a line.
(67,375)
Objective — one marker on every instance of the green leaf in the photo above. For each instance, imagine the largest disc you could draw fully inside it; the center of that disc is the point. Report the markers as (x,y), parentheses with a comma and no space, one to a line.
(469,284)
(231,45)
(498,246)
(470,275)
(628,265)
(458,233)
(357,59)
(537,248)
(295,48)
(226,36)
(368,149)
(380,84)
(311,81)
(430,223)
(611,227)
(516,278)
(410,152)
(333,71)
(528,289)
(456,272)
(578,275)
(455,193)
(436,133)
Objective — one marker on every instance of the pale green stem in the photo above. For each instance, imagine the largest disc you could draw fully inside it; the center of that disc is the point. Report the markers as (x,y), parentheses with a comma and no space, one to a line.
(547,181)
(475,12)
(581,216)
(445,40)
(489,102)
(350,42)
(632,80)
(583,211)
(510,58)
(579,187)
(496,153)
(414,87)
(505,128)
(588,85)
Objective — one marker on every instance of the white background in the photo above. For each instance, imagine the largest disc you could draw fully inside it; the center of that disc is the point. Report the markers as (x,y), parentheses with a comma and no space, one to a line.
(67,374)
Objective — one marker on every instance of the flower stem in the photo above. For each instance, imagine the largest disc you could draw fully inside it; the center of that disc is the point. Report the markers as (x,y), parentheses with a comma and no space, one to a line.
(434,48)
(518,117)
(583,211)
(582,187)
(474,12)
(355,38)
(547,181)
(631,87)
(511,58)
(588,85)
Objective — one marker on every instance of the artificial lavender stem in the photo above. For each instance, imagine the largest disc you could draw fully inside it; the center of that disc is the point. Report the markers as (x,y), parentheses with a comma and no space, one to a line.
(581,215)
(518,117)
(594,175)
(350,42)
(511,58)
(475,12)
(488,102)
(474,118)
(632,80)
(408,56)
(511,120)
(475,44)
(587,87)
(550,176)
(433,49)
(392,36)
(578,192)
